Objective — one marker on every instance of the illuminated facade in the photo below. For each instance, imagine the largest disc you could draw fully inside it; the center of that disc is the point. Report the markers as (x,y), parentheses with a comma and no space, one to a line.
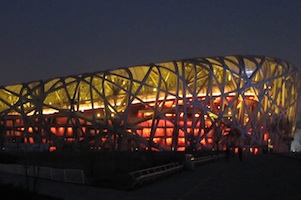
(202,103)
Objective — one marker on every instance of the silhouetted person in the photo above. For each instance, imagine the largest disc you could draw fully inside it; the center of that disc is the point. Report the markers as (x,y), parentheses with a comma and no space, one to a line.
(227,152)
(240,153)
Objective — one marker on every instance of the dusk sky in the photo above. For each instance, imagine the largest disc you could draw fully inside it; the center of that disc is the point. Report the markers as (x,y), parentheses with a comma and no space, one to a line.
(46,39)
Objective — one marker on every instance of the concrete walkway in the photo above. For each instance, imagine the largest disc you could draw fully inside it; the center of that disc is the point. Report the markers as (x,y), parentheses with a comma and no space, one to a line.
(256,177)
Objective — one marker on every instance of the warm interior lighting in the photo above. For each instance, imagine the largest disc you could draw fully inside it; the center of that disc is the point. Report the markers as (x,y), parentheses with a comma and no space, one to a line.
(52,148)
(188,107)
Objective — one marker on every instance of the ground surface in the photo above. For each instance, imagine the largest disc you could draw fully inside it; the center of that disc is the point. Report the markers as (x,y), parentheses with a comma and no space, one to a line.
(10,192)
(256,177)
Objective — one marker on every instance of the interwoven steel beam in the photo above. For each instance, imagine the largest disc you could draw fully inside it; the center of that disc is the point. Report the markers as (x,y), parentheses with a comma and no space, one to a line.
(201,103)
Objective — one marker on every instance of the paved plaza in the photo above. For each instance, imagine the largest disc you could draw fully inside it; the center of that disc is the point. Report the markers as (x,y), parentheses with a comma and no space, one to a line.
(255,177)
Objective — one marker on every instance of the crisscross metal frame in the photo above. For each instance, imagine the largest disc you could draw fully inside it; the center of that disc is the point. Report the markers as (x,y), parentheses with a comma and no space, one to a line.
(189,104)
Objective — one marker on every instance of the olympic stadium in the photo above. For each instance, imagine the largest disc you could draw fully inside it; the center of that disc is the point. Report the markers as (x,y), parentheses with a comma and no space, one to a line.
(182,105)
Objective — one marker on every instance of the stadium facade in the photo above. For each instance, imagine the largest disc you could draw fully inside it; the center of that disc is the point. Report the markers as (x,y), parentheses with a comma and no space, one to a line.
(189,104)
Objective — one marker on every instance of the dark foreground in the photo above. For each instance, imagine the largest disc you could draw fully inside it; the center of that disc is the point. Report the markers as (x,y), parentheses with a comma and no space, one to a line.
(256,177)
(11,192)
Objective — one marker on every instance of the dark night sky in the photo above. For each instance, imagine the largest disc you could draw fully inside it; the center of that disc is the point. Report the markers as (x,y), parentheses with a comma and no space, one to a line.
(46,39)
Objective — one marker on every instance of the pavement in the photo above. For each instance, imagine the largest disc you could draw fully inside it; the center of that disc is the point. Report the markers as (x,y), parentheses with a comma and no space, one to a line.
(262,176)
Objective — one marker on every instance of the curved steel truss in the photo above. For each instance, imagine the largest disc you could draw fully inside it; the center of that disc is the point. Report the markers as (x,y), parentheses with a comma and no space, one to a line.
(179,105)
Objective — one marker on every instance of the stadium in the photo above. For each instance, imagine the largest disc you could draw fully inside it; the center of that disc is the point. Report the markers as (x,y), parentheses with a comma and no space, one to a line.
(182,105)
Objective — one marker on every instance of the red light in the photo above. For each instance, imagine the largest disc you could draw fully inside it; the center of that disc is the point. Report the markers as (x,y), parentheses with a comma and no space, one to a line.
(52,148)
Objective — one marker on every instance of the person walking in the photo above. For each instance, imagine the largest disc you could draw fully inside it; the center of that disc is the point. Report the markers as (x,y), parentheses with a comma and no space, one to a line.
(240,153)
(227,152)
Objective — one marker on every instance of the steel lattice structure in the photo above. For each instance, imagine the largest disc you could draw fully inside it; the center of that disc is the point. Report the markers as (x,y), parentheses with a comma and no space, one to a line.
(200,103)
